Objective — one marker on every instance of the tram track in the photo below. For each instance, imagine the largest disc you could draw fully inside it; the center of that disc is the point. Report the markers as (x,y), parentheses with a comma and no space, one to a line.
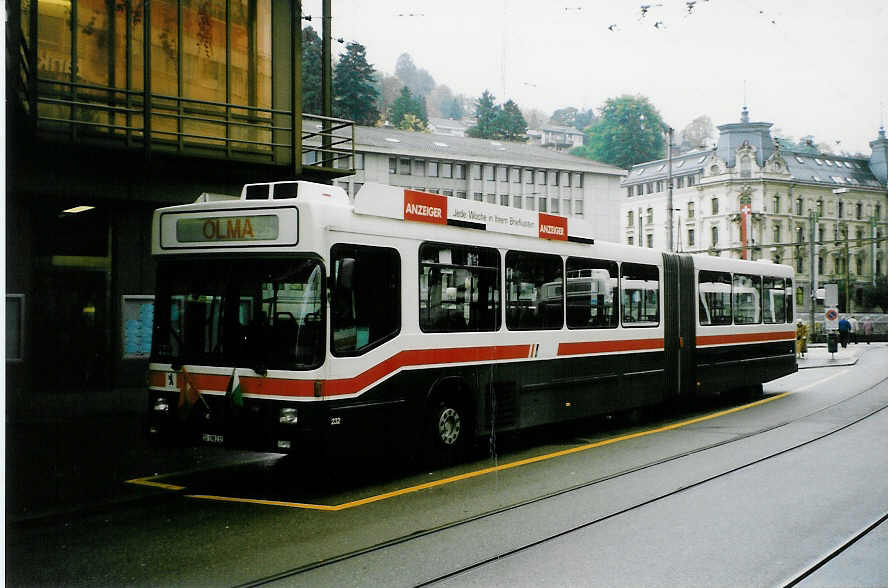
(833,553)
(388,544)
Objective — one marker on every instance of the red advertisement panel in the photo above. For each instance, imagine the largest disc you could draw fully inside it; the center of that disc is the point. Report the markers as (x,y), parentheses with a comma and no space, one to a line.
(553,227)
(425,208)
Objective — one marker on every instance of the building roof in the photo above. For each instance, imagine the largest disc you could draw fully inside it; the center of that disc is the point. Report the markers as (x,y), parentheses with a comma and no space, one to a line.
(683,164)
(561,129)
(807,166)
(397,142)
(825,168)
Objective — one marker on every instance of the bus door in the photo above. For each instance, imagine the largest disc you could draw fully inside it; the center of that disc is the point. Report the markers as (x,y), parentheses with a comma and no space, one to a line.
(679,332)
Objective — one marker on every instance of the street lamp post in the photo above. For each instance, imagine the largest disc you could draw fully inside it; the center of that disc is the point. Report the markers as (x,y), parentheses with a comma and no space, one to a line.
(669,245)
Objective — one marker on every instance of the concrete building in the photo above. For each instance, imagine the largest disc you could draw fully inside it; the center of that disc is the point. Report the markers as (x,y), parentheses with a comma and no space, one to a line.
(511,174)
(749,198)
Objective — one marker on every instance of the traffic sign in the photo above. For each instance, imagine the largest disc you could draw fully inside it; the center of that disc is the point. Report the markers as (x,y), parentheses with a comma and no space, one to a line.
(831,318)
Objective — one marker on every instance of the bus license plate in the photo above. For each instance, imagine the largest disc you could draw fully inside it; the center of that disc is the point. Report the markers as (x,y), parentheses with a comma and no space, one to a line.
(210,438)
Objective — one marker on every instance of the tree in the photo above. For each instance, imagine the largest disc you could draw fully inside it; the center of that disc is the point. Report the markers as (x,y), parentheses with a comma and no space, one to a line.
(418,80)
(486,115)
(411,122)
(407,104)
(584,118)
(389,89)
(564,116)
(535,117)
(877,295)
(355,94)
(629,131)
(698,133)
(311,72)
(510,123)
(570,116)
(453,109)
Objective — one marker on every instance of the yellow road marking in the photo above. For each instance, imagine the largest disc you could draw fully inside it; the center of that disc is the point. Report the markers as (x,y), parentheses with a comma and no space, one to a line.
(148,481)
(490,470)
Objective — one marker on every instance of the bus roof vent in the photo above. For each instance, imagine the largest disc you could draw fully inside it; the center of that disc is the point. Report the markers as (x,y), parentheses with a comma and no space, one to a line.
(211,197)
(292,190)
(255,192)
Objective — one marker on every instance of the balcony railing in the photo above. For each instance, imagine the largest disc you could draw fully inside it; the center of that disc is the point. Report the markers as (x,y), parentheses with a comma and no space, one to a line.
(118,117)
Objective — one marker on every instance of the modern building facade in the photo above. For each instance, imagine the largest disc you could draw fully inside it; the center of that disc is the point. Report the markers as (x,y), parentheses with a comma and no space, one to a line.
(501,172)
(749,198)
(115,109)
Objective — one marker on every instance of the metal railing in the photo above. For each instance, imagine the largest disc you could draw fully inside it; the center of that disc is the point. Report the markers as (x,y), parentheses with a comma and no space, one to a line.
(88,112)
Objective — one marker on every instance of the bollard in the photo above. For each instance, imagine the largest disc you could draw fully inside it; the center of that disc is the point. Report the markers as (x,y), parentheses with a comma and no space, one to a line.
(832,342)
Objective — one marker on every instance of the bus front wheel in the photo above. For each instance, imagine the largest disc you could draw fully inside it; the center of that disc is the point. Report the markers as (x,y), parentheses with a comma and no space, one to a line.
(447,431)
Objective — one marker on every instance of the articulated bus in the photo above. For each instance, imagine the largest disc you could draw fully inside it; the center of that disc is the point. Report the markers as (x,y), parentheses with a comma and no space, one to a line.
(291,316)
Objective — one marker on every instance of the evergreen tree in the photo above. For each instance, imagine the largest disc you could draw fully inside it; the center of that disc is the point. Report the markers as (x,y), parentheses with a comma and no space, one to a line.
(406,104)
(511,125)
(353,87)
(311,72)
(453,109)
(629,131)
(487,114)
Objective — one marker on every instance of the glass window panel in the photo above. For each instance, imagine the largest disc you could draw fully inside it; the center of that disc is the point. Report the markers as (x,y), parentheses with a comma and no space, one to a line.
(747,299)
(773,303)
(640,295)
(366,297)
(534,290)
(714,302)
(459,288)
(592,290)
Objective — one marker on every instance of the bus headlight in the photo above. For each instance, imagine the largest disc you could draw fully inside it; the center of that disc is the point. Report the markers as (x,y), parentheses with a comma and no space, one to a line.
(161,404)
(288,416)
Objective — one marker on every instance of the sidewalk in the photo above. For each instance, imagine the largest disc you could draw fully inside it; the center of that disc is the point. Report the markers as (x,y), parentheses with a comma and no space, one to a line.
(818,356)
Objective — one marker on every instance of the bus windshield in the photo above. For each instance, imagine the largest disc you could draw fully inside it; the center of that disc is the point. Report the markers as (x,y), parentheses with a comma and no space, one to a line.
(259,313)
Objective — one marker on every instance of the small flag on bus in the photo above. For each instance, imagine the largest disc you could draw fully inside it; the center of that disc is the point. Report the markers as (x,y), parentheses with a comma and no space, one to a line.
(189,392)
(234,392)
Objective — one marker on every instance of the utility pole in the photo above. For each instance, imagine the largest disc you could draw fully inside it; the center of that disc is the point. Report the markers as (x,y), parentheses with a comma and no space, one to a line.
(326,84)
(669,131)
(813,253)
(847,269)
(874,248)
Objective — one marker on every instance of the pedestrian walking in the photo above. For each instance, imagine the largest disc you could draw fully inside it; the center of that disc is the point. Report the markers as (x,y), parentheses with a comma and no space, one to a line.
(855,327)
(801,339)
(868,329)
(844,331)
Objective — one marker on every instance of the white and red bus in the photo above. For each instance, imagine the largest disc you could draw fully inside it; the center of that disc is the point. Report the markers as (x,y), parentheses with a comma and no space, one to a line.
(434,318)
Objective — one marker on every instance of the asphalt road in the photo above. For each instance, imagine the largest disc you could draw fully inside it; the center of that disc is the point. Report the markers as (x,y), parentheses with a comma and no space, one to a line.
(651,508)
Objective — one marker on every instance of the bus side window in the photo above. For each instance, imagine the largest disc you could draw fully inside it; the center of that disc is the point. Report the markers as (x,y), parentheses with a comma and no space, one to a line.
(789,301)
(640,294)
(773,302)
(592,293)
(459,288)
(747,299)
(534,291)
(714,300)
(365,307)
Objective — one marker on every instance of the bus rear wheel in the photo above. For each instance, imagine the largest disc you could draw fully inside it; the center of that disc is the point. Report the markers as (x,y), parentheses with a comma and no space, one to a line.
(447,431)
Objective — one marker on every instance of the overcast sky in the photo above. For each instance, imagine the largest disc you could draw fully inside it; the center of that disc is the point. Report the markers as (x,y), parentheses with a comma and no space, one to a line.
(810,66)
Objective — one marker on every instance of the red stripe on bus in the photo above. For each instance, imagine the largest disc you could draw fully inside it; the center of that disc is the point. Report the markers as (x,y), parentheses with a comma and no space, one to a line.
(583,347)
(345,386)
(744,338)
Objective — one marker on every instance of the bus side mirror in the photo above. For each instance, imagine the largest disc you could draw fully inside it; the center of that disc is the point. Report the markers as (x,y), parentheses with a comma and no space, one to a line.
(345,275)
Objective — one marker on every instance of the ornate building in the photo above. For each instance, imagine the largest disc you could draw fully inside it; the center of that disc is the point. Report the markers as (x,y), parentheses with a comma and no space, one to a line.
(824,214)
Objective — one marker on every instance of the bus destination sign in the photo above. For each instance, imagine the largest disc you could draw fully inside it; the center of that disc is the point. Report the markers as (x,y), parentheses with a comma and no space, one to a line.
(215,229)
